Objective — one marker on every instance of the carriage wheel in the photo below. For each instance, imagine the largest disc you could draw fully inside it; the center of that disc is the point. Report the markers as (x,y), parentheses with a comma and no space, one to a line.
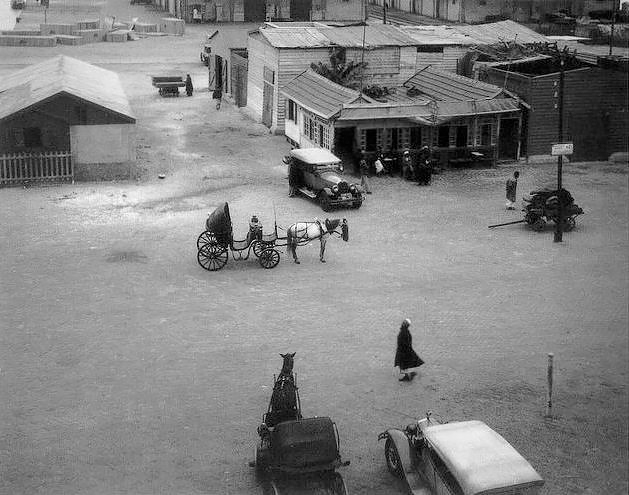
(212,257)
(271,489)
(269,258)
(538,225)
(259,246)
(394,463)
(324,201)
(337,485)
(206,237)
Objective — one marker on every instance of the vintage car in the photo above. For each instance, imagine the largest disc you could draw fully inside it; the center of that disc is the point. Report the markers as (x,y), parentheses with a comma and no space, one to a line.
(458,458)
(319,177)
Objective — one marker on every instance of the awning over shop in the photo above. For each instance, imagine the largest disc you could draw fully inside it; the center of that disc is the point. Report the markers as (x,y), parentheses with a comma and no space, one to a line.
(435,113)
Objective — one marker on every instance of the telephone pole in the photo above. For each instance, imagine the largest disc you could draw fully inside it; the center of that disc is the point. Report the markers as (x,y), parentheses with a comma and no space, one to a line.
(559,223)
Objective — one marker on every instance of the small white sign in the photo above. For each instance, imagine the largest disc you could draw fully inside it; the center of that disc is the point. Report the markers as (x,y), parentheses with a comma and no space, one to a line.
(562,149)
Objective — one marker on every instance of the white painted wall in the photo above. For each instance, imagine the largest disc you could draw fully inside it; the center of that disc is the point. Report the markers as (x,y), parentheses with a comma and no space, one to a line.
(112,143)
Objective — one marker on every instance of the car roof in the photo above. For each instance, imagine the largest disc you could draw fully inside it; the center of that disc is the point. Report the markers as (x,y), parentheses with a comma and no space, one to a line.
(314,156)
(479,458)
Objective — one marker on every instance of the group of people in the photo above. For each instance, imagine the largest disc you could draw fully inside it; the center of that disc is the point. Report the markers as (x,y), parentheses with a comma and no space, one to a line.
(418,169)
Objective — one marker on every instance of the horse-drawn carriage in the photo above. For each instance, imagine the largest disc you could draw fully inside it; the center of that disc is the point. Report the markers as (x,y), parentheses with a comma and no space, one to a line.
(217,240)
(215,243)
(296,455)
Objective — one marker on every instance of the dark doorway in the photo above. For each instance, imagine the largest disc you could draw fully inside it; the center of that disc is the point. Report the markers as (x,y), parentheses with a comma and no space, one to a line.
(508,139)
(300,10)
(371,139)
(461,136)
(443,140)
(255,11)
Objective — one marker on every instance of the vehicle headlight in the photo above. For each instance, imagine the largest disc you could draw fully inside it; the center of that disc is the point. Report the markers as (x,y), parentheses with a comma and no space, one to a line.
(352,189)
(335,189)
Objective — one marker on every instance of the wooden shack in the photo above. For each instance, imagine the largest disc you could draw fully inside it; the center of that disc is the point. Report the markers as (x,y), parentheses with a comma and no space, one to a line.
(596,116)
(64,119)
(228,63)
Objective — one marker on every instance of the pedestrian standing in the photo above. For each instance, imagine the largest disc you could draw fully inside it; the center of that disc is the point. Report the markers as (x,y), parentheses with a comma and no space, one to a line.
(405,357)
(364,173)
(189,87)
(408,170)
(294,176)
(512,185)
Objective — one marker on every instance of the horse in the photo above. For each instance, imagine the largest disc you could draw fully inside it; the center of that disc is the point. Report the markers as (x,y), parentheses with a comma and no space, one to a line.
(284,405)
(304,232)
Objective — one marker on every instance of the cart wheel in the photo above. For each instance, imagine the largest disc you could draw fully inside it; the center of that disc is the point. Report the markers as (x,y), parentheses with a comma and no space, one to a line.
(269,258)
(260,461)
(271,488)
(393,459)
(337,485)
(259,246)
(212,257)
(206,237)
(569,224)
(538,225)
(324,201)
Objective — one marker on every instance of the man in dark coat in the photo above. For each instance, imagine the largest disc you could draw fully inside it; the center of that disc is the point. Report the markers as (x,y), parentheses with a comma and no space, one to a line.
(189,87)
(405,357)
(511,187)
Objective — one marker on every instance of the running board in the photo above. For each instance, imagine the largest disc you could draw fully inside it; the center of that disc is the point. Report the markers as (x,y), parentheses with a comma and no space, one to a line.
(307,192)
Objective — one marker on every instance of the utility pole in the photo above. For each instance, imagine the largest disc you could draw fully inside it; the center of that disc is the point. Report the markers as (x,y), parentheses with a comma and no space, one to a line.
(611,34)
(559,223)
(384,12)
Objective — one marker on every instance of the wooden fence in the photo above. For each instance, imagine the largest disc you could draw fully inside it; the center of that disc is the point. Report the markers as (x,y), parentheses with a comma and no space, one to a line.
(19,168)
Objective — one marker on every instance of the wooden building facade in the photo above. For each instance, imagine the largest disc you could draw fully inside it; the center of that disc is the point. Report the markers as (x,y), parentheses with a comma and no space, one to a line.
(596,116)
(228,64)
(392,54)
(476,124)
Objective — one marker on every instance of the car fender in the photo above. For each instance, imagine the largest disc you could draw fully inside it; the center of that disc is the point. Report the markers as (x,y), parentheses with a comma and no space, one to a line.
(400,440)
(327,191)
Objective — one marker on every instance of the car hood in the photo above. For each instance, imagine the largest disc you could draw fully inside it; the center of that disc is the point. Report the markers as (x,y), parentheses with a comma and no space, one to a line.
(332,177)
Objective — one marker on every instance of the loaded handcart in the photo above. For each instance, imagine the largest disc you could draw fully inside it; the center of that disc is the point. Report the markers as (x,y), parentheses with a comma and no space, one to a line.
(168,85)
(544,205)
(217,241)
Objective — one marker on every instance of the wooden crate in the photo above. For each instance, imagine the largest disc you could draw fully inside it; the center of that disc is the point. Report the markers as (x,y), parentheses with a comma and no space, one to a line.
(171,25)
(117,36)
(48,29)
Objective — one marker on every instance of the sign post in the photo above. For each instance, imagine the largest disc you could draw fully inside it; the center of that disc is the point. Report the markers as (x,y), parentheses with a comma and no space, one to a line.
(559,223)
(549,376)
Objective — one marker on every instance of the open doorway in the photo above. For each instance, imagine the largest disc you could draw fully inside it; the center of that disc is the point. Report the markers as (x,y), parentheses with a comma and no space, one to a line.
(508,139)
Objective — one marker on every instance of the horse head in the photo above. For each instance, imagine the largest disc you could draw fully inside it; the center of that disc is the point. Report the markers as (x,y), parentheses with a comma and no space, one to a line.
(331,226)
(287,366)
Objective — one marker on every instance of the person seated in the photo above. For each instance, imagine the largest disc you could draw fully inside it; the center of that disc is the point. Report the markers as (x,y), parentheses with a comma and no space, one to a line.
(255,230)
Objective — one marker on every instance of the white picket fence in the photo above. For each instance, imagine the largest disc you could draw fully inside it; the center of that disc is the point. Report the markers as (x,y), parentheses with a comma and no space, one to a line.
(16,168)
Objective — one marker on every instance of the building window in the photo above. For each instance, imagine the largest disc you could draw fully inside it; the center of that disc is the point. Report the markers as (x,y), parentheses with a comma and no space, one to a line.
(306,126)
(81,114)
(485,135)
(371,139)
(430,49)
(292,111)
(32,137)
(443,138)
(461,136)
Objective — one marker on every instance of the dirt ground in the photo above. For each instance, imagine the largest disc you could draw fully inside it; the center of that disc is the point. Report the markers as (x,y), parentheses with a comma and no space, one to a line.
(127,369)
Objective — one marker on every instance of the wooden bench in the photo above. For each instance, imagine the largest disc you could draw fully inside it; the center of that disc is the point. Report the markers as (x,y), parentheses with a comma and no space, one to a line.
(168,85)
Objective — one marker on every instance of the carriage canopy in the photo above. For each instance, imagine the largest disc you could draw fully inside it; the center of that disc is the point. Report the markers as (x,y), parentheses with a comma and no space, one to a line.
(220,224)
(305,443)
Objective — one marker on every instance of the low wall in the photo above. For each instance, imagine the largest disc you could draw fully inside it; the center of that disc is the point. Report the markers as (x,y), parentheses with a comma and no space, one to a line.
(172,26)
(48,29)
(6,40)
(90,35)
(103,171)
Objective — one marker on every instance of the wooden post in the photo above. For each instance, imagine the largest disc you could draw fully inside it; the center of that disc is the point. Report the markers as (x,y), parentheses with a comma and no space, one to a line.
(549,404)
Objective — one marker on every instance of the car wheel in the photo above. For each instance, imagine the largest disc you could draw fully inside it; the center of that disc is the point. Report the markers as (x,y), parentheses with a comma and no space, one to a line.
(394,463)
(324,201)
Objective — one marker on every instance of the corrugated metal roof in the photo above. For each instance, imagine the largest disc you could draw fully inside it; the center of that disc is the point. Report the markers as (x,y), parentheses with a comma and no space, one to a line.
(62,74)
(229,38)
(319,35)
(375,35)
(444,85)
(438,35)
(498,32)
(318,94)
(298,37)
(428,114)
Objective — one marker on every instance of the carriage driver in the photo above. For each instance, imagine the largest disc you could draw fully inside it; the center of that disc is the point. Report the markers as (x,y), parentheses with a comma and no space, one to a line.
(255,230)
